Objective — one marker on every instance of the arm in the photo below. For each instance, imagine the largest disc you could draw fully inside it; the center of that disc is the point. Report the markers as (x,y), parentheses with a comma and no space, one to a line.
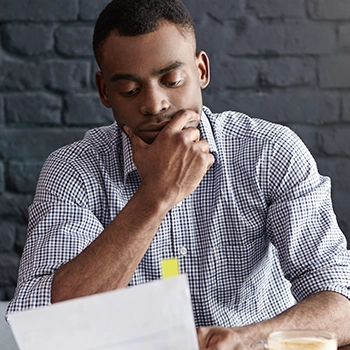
(324,310)
(312,250)
(171,168)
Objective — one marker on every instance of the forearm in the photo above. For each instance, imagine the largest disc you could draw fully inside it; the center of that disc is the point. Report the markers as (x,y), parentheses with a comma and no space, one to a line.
(325,310)
(110,261)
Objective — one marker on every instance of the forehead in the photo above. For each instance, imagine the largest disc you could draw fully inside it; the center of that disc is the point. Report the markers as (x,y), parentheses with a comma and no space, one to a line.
(166,44)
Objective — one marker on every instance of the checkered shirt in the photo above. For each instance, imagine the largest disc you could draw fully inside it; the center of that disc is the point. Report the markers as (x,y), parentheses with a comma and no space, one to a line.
(258,233)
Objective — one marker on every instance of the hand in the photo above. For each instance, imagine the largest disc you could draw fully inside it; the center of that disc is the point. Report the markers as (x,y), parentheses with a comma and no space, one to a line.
(219,338)
(174,164)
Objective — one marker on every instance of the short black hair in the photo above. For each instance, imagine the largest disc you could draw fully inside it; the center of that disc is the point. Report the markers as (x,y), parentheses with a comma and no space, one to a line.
(137,17)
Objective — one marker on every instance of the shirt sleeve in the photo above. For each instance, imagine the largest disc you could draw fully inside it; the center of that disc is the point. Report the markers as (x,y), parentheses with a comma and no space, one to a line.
(61,225)
(301,222)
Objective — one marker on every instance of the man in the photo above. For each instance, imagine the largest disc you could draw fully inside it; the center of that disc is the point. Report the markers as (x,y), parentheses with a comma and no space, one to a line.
(239,201)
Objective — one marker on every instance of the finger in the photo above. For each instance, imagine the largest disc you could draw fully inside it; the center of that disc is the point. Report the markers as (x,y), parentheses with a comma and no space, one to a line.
(202,334)
(211,160)
(191,133)
(204,146)
(184,119)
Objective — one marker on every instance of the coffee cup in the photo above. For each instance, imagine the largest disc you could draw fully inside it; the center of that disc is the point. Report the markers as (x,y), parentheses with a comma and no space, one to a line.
(299,340)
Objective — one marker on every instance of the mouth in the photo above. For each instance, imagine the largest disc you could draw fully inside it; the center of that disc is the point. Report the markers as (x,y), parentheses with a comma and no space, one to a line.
(154,128)
(150,132)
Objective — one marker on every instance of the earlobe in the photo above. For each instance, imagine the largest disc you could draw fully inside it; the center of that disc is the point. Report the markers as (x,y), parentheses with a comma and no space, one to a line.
(102,89)
(202,60)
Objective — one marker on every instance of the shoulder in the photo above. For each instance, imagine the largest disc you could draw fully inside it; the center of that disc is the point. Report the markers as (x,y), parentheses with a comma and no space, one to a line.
(98,141)
(99,145)
(232,124)
(79,164)
(255,138)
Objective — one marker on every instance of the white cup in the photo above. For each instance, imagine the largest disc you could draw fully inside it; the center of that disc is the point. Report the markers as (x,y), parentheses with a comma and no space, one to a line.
(299,340)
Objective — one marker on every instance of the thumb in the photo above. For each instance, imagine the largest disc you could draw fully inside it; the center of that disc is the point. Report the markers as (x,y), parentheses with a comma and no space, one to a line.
(136,141)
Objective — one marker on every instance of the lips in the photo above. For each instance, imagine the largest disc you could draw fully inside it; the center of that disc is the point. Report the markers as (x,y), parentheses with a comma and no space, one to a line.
(150,132)
(154,128)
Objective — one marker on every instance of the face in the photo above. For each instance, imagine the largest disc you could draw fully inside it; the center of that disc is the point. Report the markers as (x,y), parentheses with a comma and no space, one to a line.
(147,79)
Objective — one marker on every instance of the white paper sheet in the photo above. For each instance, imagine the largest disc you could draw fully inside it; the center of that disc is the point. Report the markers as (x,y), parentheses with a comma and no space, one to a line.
(153,316)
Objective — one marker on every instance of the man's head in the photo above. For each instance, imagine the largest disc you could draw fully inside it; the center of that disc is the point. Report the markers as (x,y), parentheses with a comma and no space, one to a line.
(138,17)
(150,70)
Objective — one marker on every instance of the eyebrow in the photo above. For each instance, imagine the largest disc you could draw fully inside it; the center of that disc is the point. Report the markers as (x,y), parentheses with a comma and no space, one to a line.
(134,77)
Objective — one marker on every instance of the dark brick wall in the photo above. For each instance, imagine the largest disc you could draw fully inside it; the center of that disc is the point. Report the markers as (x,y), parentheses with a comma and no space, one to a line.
(280,60)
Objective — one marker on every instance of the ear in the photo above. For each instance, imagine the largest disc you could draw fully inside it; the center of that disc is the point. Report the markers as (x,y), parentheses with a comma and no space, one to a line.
(202,61)
(102,89)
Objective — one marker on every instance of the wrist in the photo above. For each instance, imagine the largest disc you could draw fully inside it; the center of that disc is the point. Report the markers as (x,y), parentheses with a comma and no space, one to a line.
(155,201)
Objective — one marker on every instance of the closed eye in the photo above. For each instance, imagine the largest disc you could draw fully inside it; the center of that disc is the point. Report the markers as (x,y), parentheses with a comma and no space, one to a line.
(172,83)
(129,93)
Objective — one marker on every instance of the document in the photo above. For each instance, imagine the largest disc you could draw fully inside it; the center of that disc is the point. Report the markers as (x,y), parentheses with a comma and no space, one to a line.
(153,316)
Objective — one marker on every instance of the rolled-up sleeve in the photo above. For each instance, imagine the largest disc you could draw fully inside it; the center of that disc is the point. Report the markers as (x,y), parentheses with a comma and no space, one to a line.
(301,222)
(61,225)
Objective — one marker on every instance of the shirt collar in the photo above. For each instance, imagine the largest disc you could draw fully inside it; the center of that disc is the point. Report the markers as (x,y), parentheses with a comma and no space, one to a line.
(129,165)
(205,130)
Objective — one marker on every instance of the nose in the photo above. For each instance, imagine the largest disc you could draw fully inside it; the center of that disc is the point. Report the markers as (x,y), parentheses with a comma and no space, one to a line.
(154,100)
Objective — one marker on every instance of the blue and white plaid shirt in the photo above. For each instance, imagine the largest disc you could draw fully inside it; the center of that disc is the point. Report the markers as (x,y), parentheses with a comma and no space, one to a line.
(257,234)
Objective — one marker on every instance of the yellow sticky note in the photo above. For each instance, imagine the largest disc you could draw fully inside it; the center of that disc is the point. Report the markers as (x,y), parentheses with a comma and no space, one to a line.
(170,267)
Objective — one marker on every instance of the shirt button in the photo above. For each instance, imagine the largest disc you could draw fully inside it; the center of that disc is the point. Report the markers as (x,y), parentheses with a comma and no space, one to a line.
(183,250)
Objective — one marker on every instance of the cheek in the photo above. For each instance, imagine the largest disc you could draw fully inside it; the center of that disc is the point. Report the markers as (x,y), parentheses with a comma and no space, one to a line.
(194,98)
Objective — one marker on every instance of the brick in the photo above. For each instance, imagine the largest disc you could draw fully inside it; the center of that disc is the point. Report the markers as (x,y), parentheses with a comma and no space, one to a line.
(329,9)
(309,135)
(307,107)
(89,10)
(7,291)
(9,264)
(36,144)
(250,72)
(21,238)
(277,8)
(56,75)
(2,109)
(7,236)
(287,72)
(234,72)
(344,35)
(241,37)
(341,208)
(14,207)
(86,109)
(309,38)
(2,177)
(33,108)
(335,141)
(338,169)
(38,10)
(28,39)
(67,75)
(19,75)
(346,107)
(74,41)
(220,10)
(23,176)
(334,72)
